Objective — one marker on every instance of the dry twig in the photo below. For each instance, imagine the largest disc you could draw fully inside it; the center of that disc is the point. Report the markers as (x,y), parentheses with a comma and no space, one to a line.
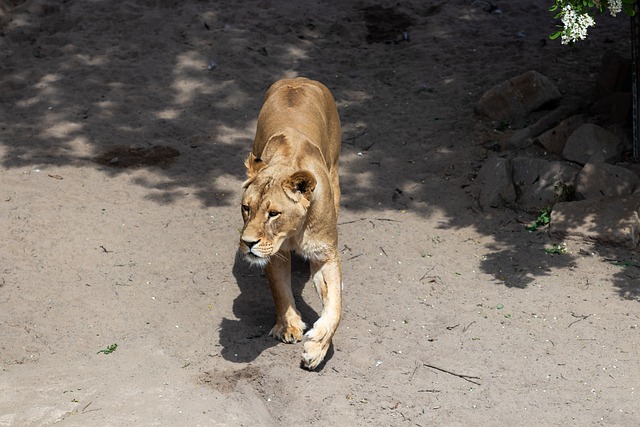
(469,378)
(467,327)
(425,274)
(580,318)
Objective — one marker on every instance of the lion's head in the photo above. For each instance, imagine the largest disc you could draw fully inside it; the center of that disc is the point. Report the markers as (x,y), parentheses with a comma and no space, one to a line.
(274,208)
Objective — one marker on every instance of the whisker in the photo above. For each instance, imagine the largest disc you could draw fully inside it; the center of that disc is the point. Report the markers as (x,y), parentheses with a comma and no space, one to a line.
(280,256)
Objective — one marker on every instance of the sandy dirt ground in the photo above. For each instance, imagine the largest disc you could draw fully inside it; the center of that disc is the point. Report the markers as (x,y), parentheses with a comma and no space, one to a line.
(123,130)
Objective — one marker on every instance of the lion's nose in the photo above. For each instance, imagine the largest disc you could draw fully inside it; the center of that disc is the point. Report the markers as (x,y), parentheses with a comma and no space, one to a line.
(250,243)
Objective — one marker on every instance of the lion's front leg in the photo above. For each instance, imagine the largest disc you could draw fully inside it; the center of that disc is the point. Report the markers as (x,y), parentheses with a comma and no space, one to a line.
(289,326)
(327,279)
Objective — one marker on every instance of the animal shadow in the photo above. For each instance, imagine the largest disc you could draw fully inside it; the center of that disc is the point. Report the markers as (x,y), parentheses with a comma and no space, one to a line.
(244,339)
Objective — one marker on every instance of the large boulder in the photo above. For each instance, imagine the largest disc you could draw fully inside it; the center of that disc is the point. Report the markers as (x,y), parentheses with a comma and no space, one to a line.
(614,75)
(493,185)
(518,97)
(610,220)
(592,144)
(555,139)
(523,138)
(541,183)
(598,180)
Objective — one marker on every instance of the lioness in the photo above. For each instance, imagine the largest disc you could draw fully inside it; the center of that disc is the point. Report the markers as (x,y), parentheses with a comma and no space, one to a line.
(290,203)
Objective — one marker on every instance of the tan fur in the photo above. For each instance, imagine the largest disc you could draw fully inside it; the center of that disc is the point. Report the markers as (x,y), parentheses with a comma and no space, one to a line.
(290,203)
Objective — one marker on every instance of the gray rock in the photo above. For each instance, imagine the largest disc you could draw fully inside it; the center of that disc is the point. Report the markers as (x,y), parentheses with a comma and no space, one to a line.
(598,180)
(623,135)
(516,98)
(614,75)
(555,139)
(493,185)
(520,138)
(524,137)
(592,144)
(541,183)
(610,220)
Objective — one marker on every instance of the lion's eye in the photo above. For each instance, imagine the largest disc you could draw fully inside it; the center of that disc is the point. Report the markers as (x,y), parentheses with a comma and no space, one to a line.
(246,209)
(273,214)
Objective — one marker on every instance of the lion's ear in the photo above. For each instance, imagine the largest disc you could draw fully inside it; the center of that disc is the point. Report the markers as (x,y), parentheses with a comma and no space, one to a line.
(300,184)
(253,165)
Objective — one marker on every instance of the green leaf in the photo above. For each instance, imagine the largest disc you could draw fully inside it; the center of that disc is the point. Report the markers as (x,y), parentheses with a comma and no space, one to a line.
(555,35)
(629,9)
(110,349)
(544,218)
(556,249)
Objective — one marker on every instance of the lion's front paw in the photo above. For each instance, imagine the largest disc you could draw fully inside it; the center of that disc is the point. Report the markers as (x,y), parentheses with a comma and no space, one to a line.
(288,333)
(316,345)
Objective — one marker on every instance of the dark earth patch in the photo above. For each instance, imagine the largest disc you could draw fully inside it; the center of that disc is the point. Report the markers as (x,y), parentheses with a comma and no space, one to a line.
(126,157)
(386,25)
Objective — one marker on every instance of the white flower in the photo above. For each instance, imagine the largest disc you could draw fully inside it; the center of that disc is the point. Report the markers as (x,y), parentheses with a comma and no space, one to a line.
(575,24)
(615,7)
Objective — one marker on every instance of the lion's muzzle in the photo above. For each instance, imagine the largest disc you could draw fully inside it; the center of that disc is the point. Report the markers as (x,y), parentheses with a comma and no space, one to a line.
(250,248)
